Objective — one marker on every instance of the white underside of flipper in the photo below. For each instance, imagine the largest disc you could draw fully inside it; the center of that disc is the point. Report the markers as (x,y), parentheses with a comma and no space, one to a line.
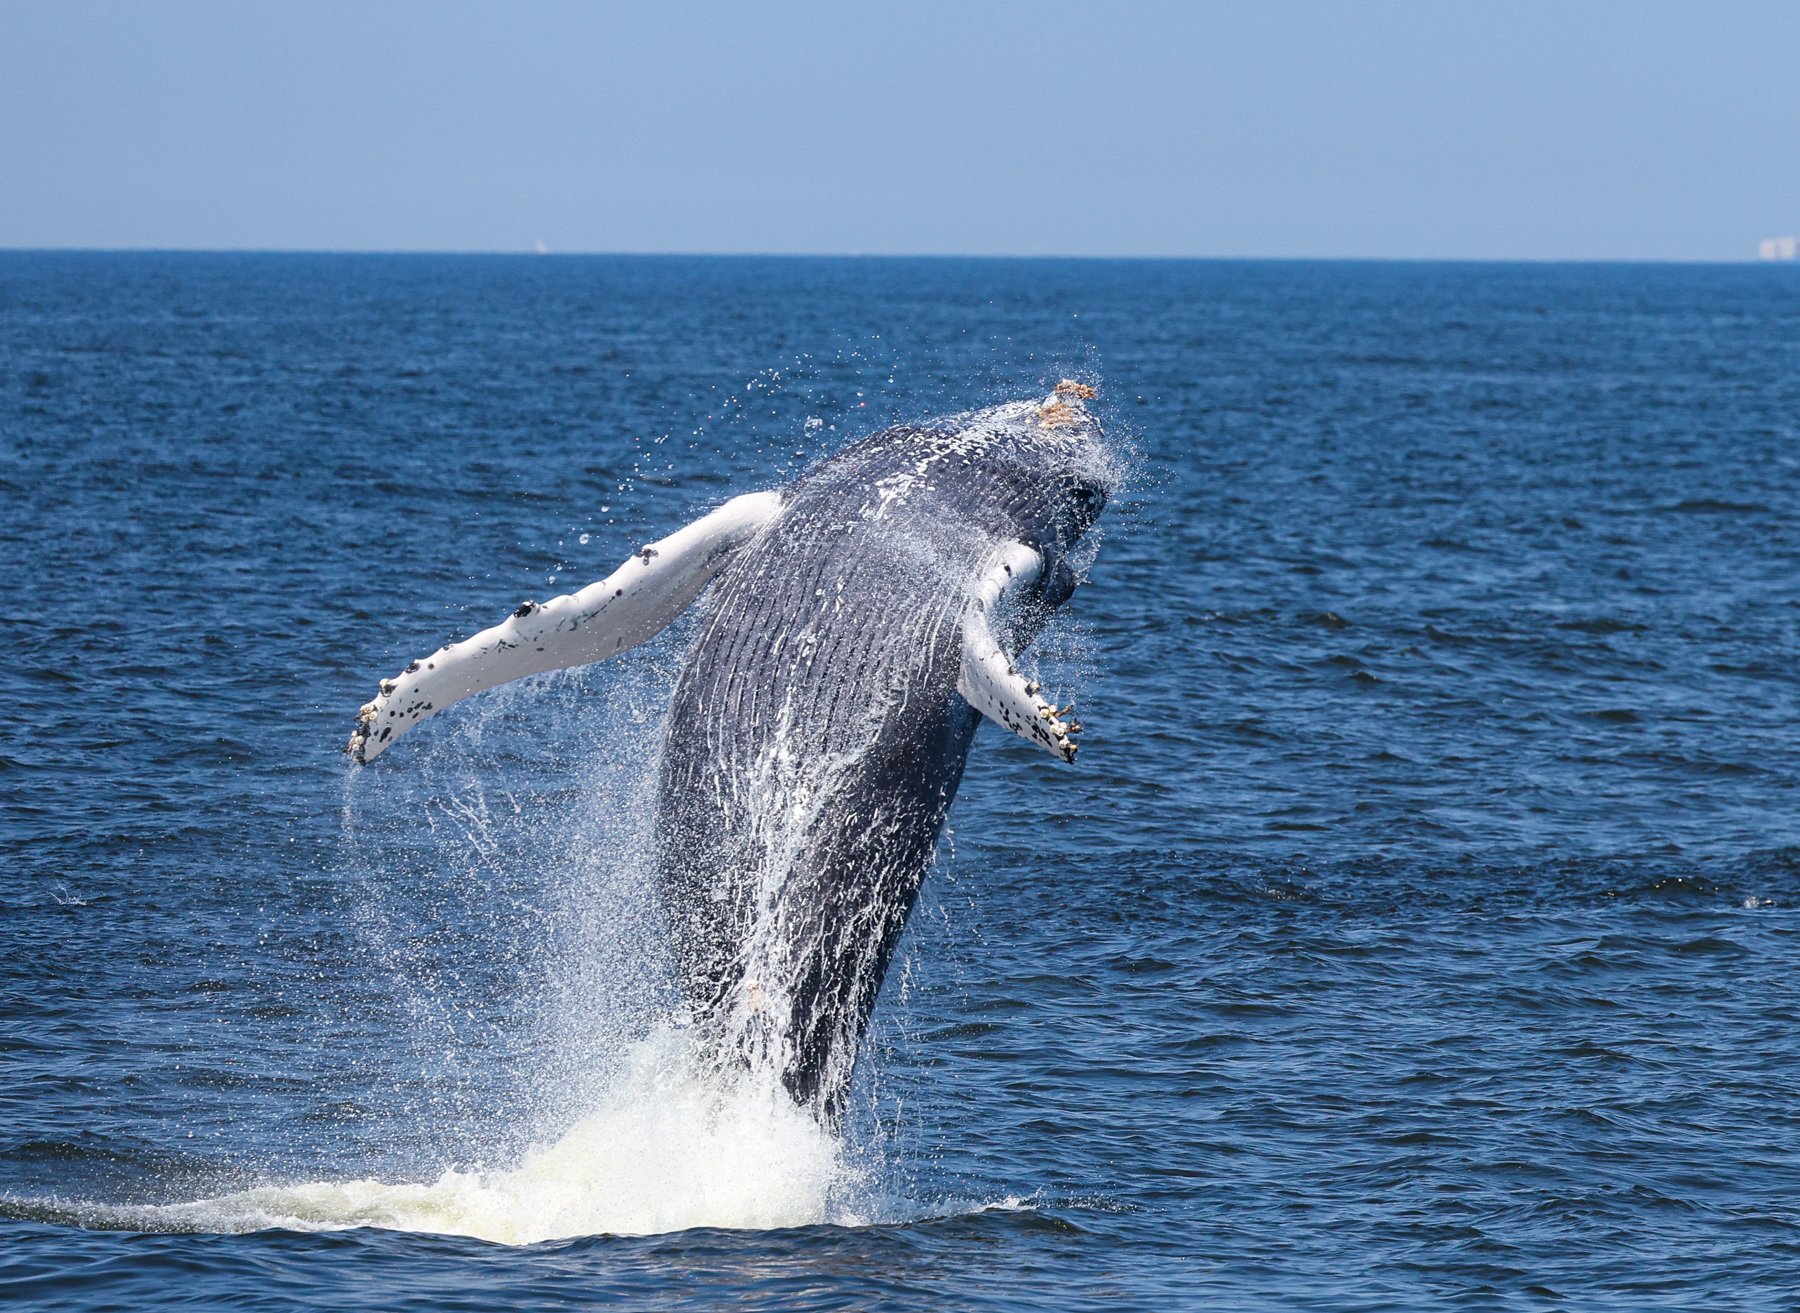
(632,604)
(989,680)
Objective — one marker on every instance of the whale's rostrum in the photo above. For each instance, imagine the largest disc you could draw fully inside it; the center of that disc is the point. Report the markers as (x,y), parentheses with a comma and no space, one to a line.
(859,623)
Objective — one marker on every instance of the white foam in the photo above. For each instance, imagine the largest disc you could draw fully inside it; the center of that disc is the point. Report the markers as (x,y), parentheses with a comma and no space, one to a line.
(669,1152)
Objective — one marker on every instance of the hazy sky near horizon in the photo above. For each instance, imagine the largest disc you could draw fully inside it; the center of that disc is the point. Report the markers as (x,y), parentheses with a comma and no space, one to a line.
(1410,130)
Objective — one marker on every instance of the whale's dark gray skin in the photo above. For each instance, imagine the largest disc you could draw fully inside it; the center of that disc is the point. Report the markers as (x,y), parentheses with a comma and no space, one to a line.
(817,737)
(861,622)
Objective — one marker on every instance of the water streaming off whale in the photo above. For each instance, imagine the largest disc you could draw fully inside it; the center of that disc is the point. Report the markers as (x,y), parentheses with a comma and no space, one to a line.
(550,808)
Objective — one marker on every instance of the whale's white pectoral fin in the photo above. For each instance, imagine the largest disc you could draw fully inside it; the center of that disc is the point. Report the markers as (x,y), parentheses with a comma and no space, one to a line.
(998,691)
(989,680)
(632,604)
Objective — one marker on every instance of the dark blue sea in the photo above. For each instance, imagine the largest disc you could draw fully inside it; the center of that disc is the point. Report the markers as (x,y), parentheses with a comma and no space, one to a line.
(1417,929)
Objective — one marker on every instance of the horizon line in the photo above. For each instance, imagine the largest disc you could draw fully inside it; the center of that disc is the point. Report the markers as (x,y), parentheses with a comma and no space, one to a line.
(526,253)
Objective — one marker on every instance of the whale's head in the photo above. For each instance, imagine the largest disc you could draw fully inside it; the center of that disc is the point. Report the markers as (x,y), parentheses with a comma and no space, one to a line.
(1037,471)
(1049,471)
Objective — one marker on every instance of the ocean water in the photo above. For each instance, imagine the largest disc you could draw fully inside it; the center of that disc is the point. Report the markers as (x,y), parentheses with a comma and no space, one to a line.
(1417,929)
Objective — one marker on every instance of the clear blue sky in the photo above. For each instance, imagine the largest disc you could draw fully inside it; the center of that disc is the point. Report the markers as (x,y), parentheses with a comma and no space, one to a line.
(1412,130)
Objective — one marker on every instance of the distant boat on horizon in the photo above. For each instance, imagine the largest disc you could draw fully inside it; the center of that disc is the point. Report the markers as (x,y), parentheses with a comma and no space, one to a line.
(1779,248)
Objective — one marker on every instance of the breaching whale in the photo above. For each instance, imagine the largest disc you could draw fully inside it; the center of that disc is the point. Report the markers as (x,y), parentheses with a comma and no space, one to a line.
(861,621)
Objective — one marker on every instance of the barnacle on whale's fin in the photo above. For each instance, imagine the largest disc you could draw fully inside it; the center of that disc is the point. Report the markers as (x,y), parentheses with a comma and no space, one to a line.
(989,680)
(632,604)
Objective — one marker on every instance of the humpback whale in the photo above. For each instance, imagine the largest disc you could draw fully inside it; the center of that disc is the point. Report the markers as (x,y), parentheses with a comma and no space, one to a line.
(860,622)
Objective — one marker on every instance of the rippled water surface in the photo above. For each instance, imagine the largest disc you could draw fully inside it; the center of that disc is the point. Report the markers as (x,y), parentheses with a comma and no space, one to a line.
(1417,929)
